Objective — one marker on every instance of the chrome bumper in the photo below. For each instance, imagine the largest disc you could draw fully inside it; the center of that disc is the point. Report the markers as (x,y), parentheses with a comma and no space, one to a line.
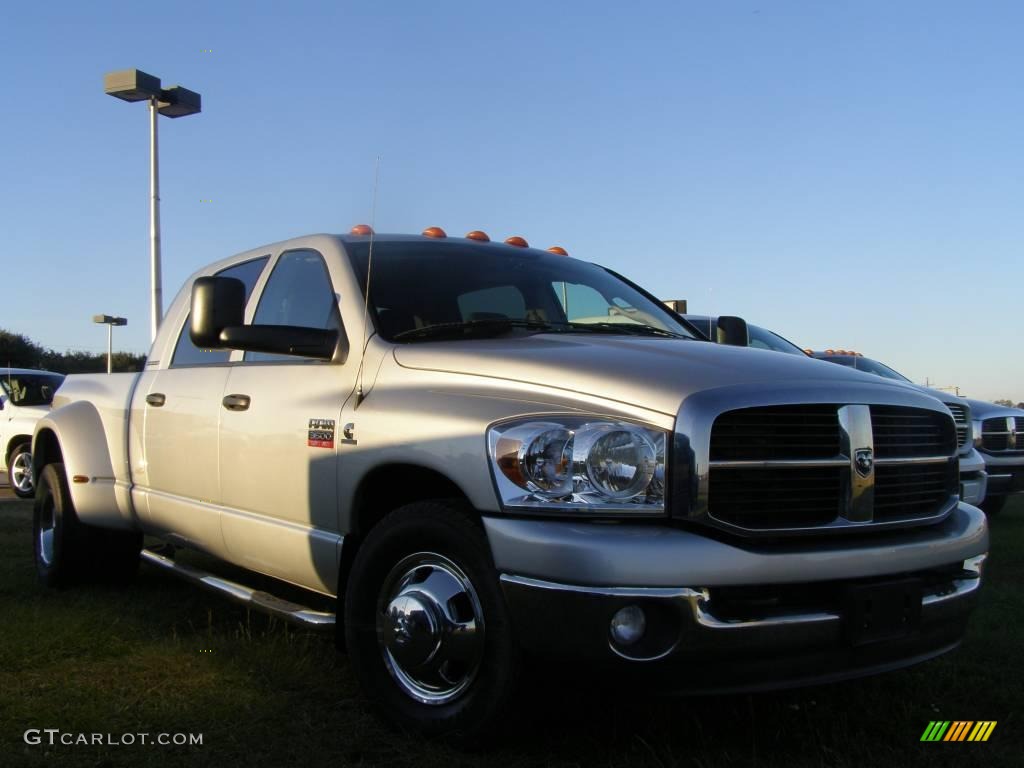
(697,611)
(717,633)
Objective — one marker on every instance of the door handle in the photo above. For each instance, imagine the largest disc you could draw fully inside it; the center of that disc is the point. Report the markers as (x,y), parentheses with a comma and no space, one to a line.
(156,399)
(236,402)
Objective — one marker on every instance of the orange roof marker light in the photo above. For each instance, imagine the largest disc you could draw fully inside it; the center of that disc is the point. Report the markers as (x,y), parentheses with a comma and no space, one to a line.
(434,232)
(559,250)
(517,241)
(361,229)
(479,236)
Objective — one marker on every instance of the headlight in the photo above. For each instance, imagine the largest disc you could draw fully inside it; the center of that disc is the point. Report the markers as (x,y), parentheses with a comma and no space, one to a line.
(581,465)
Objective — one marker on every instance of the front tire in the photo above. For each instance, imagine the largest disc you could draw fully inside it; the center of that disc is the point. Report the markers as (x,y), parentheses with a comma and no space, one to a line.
(426,625)
(19,470)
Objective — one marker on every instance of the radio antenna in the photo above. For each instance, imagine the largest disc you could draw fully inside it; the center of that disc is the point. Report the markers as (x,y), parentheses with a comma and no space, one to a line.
(360,395)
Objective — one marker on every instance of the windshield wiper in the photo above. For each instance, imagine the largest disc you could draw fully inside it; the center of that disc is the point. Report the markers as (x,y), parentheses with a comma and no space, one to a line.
(634,329)
(481,328)
(500,325)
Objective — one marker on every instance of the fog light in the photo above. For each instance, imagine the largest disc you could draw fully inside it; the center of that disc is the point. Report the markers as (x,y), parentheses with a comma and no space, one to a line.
(628,625)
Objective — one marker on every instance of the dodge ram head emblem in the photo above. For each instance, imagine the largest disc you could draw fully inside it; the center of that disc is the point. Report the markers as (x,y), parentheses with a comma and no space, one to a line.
(864,459)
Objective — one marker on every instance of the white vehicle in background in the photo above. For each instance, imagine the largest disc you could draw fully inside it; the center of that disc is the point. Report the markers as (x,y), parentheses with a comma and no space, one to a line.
(25,397)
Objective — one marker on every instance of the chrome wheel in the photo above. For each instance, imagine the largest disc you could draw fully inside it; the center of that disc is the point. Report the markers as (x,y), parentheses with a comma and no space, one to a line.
(47,530)
(430,628)
(21,472)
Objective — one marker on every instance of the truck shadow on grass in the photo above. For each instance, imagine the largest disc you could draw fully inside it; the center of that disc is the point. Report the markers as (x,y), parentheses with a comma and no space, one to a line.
(161,656)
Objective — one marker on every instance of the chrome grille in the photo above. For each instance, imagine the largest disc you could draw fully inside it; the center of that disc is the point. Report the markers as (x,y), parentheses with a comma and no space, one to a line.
(911,489)
(826,467)
(1002,434)
(910,432)
(799,432)
(768,499)
(960,417)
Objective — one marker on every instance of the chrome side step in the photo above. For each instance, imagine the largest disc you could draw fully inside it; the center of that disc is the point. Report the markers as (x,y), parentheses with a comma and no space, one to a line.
(261,601)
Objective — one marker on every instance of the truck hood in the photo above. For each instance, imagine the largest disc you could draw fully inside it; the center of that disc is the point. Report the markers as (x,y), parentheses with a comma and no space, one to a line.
(652,373)
(980,409)
(29,413)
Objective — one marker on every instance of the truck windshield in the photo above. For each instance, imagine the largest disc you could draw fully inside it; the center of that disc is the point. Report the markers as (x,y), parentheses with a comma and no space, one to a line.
(417,288)
(30,388)
(762,338)
(877,368)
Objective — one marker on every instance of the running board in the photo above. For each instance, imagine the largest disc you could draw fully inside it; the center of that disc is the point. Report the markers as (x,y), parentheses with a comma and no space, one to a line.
(252,598)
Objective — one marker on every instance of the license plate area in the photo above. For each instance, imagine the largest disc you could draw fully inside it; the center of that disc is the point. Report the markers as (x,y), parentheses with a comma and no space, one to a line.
(882,611)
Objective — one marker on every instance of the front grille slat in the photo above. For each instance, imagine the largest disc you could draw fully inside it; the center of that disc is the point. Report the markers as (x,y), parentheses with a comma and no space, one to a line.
(773,500)
(995,434)
(909,432)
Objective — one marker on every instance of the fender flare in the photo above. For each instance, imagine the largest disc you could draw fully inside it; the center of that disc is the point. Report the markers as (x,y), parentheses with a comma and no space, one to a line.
(74,434)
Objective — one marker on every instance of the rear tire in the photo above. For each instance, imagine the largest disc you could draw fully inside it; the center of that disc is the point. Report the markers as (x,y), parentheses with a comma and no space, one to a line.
(993,505)
(19,470)
(56,531)
(427,629)
(67,551)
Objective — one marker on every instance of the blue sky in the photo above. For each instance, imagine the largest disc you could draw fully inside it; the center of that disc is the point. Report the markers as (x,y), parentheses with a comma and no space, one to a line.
(847,174)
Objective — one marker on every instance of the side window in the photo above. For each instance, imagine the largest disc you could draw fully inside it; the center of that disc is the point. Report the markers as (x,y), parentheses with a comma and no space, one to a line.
(187,353)
(299,293)
(502,301)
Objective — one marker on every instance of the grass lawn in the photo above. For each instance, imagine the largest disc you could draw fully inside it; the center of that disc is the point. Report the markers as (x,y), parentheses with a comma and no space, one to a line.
(166,657)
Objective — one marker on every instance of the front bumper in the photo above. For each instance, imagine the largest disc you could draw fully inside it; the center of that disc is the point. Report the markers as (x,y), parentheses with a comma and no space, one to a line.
(1005,474)
(738,618)
(973,479)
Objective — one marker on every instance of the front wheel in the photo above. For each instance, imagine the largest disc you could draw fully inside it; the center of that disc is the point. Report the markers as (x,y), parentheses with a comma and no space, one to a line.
(19,471)
(426,624)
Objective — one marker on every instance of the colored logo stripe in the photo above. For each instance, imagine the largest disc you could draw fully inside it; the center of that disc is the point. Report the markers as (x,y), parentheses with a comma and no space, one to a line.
(958,730)
(982,730)
(935,730)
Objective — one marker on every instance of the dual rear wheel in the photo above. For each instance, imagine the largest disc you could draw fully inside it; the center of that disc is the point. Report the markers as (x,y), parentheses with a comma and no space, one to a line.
(67,551)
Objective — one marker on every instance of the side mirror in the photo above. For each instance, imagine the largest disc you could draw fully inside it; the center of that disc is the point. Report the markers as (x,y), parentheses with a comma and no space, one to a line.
(217,322)
(217,303)
(733,330)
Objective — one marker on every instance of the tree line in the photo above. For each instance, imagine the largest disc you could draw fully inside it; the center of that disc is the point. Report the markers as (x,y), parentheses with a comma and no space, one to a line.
(19,351)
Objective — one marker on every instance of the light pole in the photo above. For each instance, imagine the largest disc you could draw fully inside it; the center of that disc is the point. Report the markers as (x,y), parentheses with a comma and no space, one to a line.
(110,322)
(136,85)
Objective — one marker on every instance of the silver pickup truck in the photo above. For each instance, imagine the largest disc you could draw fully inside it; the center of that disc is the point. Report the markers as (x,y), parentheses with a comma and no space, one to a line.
(496,452)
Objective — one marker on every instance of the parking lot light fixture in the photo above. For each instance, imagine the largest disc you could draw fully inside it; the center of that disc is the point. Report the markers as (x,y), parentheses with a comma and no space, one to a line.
(176,101)
(109,321)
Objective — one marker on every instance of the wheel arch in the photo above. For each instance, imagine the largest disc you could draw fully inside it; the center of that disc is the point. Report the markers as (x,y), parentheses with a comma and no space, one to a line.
(384,489)
(14,441)
(74,435)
